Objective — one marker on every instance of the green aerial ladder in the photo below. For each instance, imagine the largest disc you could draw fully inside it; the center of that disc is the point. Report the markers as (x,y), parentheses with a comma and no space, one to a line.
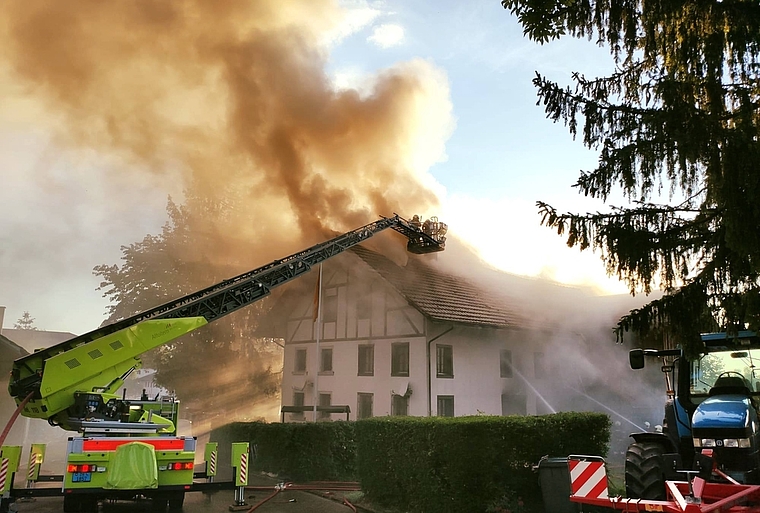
(73,384)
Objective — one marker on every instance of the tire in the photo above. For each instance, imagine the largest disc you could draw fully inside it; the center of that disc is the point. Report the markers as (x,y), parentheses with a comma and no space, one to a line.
(72,504)
(89,504)
(644,477)
(80,504)
(176,500)
(158,504)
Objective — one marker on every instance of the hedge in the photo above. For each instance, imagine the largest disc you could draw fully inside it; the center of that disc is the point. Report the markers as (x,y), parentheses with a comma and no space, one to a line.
(425,464)
(467,463)
(298,452)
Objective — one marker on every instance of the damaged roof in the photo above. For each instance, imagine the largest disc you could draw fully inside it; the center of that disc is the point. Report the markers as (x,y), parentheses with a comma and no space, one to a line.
(444,297)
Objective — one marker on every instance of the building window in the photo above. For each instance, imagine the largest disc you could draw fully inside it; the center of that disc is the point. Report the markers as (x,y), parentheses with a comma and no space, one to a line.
(364,303)
(539,366)
(514,404)
(326,360)
(324,400)
(330,305)
(505,363)
(445,405)
(400,359)
(300,363)
(444,361)
(298,400)
(364,405)
(399,405)
(366,360)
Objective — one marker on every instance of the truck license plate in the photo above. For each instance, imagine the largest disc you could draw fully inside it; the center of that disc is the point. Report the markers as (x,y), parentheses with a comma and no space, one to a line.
(81,477)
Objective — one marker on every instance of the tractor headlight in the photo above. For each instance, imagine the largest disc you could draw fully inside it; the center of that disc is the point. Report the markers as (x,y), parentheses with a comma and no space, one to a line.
(742,443)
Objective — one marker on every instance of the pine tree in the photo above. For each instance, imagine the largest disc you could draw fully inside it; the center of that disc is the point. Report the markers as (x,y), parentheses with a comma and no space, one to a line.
(679,115)
(25,322)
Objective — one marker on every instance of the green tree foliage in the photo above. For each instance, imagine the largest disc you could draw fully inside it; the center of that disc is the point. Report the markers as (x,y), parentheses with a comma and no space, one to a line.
(678,117)
(25,322)
(222,366)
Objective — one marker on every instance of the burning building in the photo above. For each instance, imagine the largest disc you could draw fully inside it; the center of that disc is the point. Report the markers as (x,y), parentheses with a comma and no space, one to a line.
(417,340)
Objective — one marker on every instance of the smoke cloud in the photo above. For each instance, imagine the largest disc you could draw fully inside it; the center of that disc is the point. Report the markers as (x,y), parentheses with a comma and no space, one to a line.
(232,97)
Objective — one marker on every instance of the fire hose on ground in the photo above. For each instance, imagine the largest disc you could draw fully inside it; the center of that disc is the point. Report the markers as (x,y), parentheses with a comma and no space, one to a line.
(317,486)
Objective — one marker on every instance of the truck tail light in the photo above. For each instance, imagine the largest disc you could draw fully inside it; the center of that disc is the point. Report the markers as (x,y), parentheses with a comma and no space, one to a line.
(80,468)
(184,465)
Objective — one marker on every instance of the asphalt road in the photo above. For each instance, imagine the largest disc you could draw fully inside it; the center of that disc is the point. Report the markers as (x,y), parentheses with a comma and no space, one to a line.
(284,502)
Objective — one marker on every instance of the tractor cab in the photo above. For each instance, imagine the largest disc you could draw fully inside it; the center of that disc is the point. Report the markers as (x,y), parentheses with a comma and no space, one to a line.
(724,387)
(711,416)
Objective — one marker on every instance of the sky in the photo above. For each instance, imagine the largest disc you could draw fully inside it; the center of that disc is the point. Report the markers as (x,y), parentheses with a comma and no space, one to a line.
(480,144)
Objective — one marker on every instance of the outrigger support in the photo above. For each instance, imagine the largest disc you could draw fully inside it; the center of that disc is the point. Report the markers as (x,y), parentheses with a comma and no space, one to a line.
(588,485)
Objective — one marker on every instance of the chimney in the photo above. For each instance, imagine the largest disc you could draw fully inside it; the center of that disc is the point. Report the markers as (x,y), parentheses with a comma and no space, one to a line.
(2,316)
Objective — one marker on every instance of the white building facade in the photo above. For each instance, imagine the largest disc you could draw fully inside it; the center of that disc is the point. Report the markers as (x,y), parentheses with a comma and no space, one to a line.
(407,341)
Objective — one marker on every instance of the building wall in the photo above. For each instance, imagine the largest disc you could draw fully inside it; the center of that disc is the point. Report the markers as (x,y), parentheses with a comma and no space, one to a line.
(476,386)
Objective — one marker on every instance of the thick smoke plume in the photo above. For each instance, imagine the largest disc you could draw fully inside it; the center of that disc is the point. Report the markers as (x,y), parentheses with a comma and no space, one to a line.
(233,97)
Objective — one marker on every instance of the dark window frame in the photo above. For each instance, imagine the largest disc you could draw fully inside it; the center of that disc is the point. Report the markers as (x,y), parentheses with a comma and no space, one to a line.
(506,363)
(370,370)
(302,402)
(400,360)
(321,396)
(323,352)
(360,411)
(399,405)
(298,361)
(444,361)
(330,305)
(443,409)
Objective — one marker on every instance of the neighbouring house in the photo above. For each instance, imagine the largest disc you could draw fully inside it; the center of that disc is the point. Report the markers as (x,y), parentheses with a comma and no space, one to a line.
(416,340)
(32,339)
(14,344)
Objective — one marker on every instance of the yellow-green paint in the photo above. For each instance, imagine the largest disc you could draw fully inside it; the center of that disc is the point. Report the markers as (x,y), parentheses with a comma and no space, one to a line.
(101,362)
(104,461)
(209,453)
(12,453)
(238,449)
(36,458)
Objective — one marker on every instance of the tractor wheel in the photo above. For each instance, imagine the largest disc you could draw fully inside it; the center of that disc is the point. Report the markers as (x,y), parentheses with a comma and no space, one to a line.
(644,477)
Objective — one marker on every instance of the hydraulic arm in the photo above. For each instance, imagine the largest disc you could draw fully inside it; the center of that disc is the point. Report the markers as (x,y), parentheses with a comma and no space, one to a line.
(76,379)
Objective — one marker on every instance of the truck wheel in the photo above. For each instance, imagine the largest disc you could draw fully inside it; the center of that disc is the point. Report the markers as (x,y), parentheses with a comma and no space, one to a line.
(644,477)
(158,504)
(176,500)
(88,505)
(72,504)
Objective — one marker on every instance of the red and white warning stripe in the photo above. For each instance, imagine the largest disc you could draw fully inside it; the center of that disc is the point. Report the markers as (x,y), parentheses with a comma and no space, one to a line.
(3,473)
(244,468)
(212,463)
(588,479)
(33,462)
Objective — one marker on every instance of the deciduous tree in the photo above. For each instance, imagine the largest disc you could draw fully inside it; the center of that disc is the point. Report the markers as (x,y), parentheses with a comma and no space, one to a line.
(222,366)
(678,118)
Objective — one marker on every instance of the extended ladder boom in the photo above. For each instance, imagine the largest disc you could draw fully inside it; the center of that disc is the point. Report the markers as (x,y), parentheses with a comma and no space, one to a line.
(210,304)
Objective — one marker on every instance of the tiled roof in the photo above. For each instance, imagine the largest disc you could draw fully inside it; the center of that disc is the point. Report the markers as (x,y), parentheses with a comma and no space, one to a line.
(444,297)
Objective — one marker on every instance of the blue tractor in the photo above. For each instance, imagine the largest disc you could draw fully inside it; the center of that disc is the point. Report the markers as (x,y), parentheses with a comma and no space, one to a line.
(711,421)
